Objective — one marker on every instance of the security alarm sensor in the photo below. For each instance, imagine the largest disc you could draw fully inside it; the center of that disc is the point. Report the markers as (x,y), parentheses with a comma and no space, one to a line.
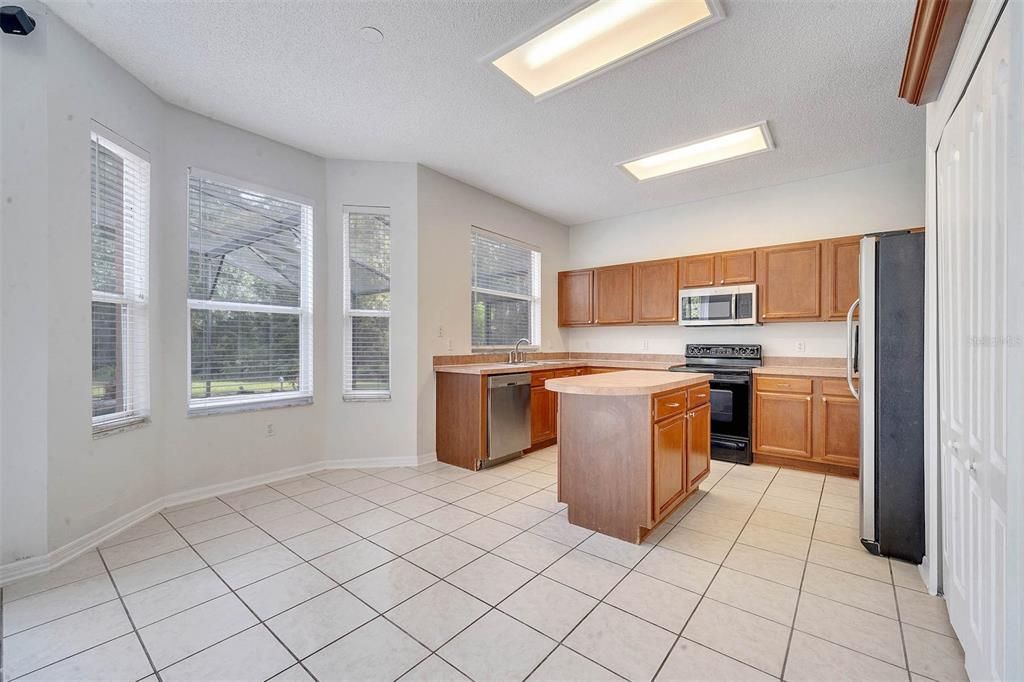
(14,19)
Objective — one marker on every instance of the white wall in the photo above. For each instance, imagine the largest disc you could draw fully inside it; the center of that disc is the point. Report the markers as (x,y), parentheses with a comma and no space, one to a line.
(383,430)
(200,451)
(885,197)
(448,209)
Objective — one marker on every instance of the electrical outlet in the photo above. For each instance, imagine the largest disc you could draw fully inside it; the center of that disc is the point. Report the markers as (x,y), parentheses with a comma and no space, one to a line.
(440,332)
(644,345)
(449,345)
(270,430)
(801,346)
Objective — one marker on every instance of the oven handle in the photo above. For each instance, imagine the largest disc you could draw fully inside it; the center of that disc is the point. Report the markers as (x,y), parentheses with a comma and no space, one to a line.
(718,380)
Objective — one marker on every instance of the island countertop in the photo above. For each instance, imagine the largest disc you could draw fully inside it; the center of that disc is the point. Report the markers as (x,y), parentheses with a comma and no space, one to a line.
(627,382)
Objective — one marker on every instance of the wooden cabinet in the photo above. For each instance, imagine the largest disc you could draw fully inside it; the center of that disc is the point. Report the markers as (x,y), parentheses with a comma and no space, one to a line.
(718,269)
(838,424)
(697,271)
(698,445)
(840,286)
(575,298)
(542,415)
(669,462)
(790,282)
(736,267)
(656,291)
(783,424)
(811,420)
(681,442)
(613,294)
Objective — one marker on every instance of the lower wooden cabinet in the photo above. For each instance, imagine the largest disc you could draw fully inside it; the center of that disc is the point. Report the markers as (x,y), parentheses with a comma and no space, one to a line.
(812,420)
(681,445)
(698,444)
(542,415)
(669,462)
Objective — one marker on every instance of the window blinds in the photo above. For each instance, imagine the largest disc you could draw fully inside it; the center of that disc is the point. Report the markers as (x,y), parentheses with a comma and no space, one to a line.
(505,291)
(367,302)
(119,193)
(250,295)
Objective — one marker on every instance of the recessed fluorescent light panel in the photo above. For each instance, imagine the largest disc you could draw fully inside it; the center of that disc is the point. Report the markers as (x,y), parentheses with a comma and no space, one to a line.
(600,35)
(725,147)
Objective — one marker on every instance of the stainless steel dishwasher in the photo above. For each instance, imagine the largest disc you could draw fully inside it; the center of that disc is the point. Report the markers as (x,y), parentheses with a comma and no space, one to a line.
(508,416)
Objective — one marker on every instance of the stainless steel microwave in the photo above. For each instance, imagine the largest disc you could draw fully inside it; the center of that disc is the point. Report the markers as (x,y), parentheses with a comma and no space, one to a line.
(735,305)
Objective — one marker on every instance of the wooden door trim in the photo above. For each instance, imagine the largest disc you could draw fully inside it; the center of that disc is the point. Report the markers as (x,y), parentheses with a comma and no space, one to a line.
(934,35)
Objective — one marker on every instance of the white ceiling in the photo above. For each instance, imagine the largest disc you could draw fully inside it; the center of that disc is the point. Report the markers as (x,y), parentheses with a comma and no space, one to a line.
(824,74)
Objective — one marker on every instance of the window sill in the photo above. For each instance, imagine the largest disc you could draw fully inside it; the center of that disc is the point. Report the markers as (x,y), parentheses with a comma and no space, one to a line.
(482,350)
(106,429)
(356,398)
(248,406)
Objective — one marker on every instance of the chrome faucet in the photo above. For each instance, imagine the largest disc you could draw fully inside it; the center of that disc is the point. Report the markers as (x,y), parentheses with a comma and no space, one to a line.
(517,355)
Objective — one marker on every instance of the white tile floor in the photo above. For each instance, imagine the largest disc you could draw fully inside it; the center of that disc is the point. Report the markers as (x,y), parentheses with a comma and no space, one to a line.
(436,573)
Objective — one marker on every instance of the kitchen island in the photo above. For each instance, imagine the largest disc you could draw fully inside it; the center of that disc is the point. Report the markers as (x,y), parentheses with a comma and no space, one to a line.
(633,445)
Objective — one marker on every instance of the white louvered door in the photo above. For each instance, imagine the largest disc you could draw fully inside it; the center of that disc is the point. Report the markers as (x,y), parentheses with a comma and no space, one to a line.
(978,185)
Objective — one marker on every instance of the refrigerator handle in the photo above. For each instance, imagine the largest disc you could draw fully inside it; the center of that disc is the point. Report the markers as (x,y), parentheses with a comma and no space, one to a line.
(851,348)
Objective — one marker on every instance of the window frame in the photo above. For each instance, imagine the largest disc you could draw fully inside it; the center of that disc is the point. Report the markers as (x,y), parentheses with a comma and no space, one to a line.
(134,296)
(534,298)
(198,407)
(347,394)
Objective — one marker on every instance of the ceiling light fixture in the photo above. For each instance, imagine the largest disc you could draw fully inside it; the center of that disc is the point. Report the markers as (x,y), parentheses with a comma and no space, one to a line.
(602,34)
(699,153)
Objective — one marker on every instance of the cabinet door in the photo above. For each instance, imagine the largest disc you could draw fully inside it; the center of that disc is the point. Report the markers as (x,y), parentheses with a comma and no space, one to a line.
(838,425)
(736,267)
(841,283)
(698,445)
(697,271)
(613,294)
(669,462)
(657,292)
(783,424)
(542,415)
(575,298)
(791,282)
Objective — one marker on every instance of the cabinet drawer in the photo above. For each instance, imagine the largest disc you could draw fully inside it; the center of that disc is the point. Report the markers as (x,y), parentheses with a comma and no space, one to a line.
(837,387)
(784,384)
(562,373)
(697,396)
(538,378)
(669,404)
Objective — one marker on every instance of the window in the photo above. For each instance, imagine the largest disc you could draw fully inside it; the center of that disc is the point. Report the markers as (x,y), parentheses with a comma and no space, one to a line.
(506,291)
(367,303)
(250,303)
(119,192)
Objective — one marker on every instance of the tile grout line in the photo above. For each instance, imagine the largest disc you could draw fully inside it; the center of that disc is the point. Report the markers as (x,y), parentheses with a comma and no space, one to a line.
(800,590)
(131,621)
(703,595)
(259,621)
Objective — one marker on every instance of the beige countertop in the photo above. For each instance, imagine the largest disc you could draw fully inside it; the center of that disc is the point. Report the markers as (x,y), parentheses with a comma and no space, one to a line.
(790,371)
(540,366)
(628,382)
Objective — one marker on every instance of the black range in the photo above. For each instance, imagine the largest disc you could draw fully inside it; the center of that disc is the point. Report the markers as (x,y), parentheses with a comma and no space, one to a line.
(731,395)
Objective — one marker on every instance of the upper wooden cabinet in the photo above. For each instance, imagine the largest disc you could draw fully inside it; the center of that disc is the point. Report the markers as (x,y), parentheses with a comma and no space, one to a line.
(790,282)
(736,267)
(718,269)
(840,286)
(697,271)
(613,294)
(655,290)
(575,298)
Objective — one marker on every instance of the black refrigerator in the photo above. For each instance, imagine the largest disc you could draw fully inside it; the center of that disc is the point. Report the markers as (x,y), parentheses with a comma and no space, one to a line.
(886,349)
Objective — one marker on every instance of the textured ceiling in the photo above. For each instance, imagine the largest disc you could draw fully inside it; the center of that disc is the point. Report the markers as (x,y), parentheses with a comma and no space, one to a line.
(824,74)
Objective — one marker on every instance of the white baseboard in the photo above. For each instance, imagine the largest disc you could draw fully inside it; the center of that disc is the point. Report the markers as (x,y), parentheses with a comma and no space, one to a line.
(25,568)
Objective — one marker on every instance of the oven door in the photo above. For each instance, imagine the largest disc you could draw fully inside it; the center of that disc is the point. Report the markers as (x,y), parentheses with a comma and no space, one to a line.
(730,406)
(718,306)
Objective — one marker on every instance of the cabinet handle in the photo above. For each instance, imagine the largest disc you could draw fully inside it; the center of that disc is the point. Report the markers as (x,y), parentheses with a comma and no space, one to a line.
(672,405)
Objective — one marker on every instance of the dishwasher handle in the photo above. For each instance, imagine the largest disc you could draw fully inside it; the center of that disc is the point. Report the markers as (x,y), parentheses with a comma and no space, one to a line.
(501,380)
